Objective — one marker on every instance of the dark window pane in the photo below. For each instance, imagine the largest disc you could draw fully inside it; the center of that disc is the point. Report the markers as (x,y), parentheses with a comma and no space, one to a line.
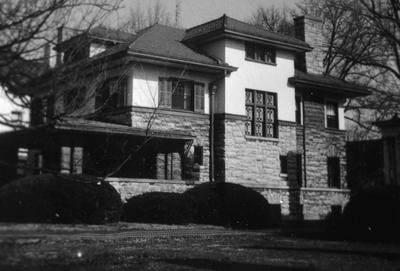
(298,110)
(284,162)
(198,155)
(334,172)
(332,119)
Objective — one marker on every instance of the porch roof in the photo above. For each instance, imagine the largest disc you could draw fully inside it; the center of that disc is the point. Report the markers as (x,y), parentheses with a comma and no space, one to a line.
(92,126)
(327,84)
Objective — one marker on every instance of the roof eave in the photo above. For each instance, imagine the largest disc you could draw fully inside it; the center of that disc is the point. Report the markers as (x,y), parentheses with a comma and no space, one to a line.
(247,37)
(329,88)
(155,58)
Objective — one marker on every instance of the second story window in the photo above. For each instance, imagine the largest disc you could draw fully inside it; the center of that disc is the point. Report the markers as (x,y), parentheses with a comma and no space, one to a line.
(261,113)
(260,53)
(332,118)
(112,95)
(181,94)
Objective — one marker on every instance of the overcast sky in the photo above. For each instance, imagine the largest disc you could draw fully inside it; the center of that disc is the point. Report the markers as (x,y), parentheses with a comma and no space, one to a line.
(194,12)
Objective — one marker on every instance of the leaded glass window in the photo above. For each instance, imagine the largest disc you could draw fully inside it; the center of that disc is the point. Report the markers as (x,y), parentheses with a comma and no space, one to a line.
(261,113)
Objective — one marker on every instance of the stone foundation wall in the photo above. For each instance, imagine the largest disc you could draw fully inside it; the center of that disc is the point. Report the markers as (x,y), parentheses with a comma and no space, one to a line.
(190,123)
(295,203)
(318,203)
(250,160)
(128,188)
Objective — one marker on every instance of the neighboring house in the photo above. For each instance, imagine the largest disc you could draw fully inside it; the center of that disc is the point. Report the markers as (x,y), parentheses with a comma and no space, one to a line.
(376,162)
(13,114)
(223,101)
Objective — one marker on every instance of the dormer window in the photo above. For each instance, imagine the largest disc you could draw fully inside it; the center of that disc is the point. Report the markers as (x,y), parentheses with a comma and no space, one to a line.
(260,53)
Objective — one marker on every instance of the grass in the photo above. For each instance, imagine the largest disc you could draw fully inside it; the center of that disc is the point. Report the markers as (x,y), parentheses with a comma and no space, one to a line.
(246,251)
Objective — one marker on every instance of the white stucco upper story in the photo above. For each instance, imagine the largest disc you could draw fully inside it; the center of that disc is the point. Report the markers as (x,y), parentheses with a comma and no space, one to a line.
(10,111)
(253,75)
(143,83)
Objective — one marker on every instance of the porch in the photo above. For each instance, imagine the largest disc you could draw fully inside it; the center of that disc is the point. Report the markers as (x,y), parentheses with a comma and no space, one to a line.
(99,149)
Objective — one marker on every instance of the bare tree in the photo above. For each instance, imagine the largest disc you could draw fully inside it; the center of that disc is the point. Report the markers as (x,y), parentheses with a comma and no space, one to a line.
(140,18)
(363,45)
(274,19)
(26,29)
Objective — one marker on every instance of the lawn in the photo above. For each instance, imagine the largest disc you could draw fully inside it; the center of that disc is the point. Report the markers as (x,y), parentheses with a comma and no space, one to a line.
(158,247)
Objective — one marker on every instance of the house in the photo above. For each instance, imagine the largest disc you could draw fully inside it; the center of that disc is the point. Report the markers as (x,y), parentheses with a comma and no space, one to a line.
(167,108)
(376,162)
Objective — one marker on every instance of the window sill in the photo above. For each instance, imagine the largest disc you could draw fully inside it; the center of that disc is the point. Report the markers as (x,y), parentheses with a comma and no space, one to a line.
(255,138)
(331,129)
(260,61)
(283,175)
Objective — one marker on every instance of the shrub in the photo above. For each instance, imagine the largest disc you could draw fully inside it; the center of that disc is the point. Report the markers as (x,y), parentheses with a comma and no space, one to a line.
(51,198)
(373,214)
(229,204)
(159,207)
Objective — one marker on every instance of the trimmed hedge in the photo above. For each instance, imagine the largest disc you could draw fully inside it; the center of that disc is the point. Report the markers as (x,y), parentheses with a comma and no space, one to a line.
(159,207)
(51,198)
(374,214)
(229,204)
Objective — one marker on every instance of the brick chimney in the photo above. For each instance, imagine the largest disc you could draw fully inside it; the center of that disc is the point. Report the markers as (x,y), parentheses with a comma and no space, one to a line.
(309,29)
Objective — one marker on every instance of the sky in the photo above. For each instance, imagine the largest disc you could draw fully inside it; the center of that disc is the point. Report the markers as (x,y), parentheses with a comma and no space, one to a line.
(194,12)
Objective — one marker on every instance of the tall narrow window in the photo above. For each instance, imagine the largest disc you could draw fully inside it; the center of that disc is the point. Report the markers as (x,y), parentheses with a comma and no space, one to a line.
(298,110)
(334,172)
(332,118)
(261,114)
(284,164)
(198,155)
(299,170)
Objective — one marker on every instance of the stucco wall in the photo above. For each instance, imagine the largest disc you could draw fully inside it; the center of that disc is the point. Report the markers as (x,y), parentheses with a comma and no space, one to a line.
(253,75)
(7,106)
(143,84)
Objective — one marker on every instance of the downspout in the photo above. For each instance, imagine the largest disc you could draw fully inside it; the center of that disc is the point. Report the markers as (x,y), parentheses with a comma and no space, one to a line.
(304,143)
(213,90)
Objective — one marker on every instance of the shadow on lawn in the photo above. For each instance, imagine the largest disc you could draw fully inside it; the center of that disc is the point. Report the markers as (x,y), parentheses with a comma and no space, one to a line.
(225,265)
(377,254)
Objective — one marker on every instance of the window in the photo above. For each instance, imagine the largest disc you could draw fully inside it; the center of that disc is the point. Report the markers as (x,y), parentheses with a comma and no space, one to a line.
(298,110)
(112,94)
(299,170)
(261,113)
(260,53)
(181,94)
(198,155)
(284,164)
(71,160)
(73,98)
(334,172)
(332,118)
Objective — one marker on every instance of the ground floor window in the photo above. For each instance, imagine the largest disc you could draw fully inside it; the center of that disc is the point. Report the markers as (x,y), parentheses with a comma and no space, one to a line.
(334,172)
(71,160)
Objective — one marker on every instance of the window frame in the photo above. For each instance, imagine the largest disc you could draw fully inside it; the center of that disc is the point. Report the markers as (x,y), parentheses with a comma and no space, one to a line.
(333,163)
(167,88)
(328,120)
(283,161)
(299,109)
(253,120)
(258,53)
